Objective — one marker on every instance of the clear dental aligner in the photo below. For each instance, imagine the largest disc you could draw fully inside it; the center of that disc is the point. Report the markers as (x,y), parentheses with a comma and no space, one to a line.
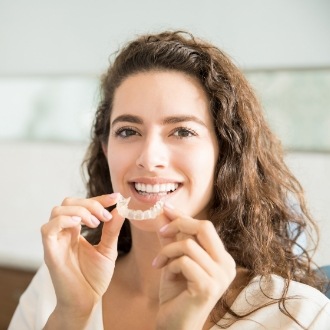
(124,211)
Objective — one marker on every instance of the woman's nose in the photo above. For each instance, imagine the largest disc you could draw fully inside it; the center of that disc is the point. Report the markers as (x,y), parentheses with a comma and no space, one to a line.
(153,155)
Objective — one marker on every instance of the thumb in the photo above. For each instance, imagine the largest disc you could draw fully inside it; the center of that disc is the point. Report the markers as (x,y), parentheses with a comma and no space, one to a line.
(168,215)
(110,233)
(108,199)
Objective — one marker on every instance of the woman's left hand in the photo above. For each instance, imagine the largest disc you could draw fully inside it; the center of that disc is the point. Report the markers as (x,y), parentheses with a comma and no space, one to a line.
(196,271)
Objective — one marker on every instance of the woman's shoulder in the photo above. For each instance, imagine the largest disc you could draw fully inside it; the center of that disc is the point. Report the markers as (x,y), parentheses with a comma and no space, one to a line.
(38,302)
(273,286)
(261,301)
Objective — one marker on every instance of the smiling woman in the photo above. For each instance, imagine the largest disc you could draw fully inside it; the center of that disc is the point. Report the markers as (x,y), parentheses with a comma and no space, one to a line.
(179,124)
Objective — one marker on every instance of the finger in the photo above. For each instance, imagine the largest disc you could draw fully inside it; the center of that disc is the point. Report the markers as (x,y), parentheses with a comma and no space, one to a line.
(203,230)
(189,248)
(186,267)
(171,229)
(58,224)
(162,221)
(199,283)
(96,205)
(107,200)
(110,232)
(78,211)
(54,232)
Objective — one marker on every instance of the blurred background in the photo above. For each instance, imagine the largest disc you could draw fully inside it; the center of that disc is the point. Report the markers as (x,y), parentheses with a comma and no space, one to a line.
(52,54)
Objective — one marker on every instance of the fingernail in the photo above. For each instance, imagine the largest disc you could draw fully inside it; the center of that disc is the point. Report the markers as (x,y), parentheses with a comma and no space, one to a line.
(76,218)
(163,229)
(95,221)
(106,214)
(154,262)
(159,261)
(114,195)
(168,206)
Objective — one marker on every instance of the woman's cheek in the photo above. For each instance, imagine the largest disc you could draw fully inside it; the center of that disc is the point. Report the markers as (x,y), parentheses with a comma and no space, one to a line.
(116,164)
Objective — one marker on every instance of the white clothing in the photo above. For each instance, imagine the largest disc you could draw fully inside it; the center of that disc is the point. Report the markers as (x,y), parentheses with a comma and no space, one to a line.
(309,306)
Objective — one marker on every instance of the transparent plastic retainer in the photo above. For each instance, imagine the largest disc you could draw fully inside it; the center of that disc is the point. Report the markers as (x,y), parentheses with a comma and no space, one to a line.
(124,211)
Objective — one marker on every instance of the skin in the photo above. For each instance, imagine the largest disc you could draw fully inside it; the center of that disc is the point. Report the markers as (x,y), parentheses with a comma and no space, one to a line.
(178,267)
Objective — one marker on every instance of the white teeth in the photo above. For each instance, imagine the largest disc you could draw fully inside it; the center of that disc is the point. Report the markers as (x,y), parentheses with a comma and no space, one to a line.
(148,188)
(156,188)
(124,211)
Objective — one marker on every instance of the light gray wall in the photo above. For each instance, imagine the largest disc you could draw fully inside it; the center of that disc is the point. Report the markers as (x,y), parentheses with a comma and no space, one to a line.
(76,37)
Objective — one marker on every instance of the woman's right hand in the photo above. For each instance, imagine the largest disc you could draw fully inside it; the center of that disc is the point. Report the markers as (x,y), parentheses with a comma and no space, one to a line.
(81,272)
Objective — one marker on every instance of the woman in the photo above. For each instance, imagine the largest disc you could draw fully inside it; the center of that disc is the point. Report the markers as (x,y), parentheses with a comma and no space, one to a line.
(178,123)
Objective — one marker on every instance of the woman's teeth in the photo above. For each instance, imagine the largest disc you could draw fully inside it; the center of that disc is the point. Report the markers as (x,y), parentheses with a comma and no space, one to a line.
(156,188)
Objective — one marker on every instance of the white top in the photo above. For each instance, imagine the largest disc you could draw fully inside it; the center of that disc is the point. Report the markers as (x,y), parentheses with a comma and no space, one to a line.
(309,306)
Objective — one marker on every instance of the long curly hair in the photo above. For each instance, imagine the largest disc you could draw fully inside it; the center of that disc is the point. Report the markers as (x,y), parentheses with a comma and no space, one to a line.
(254,190)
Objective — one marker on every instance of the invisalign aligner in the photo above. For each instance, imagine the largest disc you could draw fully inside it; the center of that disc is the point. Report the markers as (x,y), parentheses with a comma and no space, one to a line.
(124,211)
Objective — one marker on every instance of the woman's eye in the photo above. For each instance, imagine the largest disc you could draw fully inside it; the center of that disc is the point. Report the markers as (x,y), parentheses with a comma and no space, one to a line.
(125,132)
(183,132)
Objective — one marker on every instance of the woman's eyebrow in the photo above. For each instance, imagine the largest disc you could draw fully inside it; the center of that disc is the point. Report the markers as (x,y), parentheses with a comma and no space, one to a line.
(168,120)
(127,118)
(181,119)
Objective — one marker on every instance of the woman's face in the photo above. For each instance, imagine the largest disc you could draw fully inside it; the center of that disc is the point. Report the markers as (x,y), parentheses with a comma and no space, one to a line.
(162,143)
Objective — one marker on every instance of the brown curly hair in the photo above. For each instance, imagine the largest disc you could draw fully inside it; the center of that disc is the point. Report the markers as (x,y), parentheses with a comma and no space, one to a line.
(253,187)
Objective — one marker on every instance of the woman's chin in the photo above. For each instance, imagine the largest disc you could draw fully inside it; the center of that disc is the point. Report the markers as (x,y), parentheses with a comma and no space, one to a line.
(149,225)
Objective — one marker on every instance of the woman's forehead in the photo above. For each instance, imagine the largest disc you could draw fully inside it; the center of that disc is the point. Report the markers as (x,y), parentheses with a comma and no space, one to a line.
(162,93)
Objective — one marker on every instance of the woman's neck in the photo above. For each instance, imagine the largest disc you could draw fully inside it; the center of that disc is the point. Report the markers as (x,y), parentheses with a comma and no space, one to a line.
(135,268)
